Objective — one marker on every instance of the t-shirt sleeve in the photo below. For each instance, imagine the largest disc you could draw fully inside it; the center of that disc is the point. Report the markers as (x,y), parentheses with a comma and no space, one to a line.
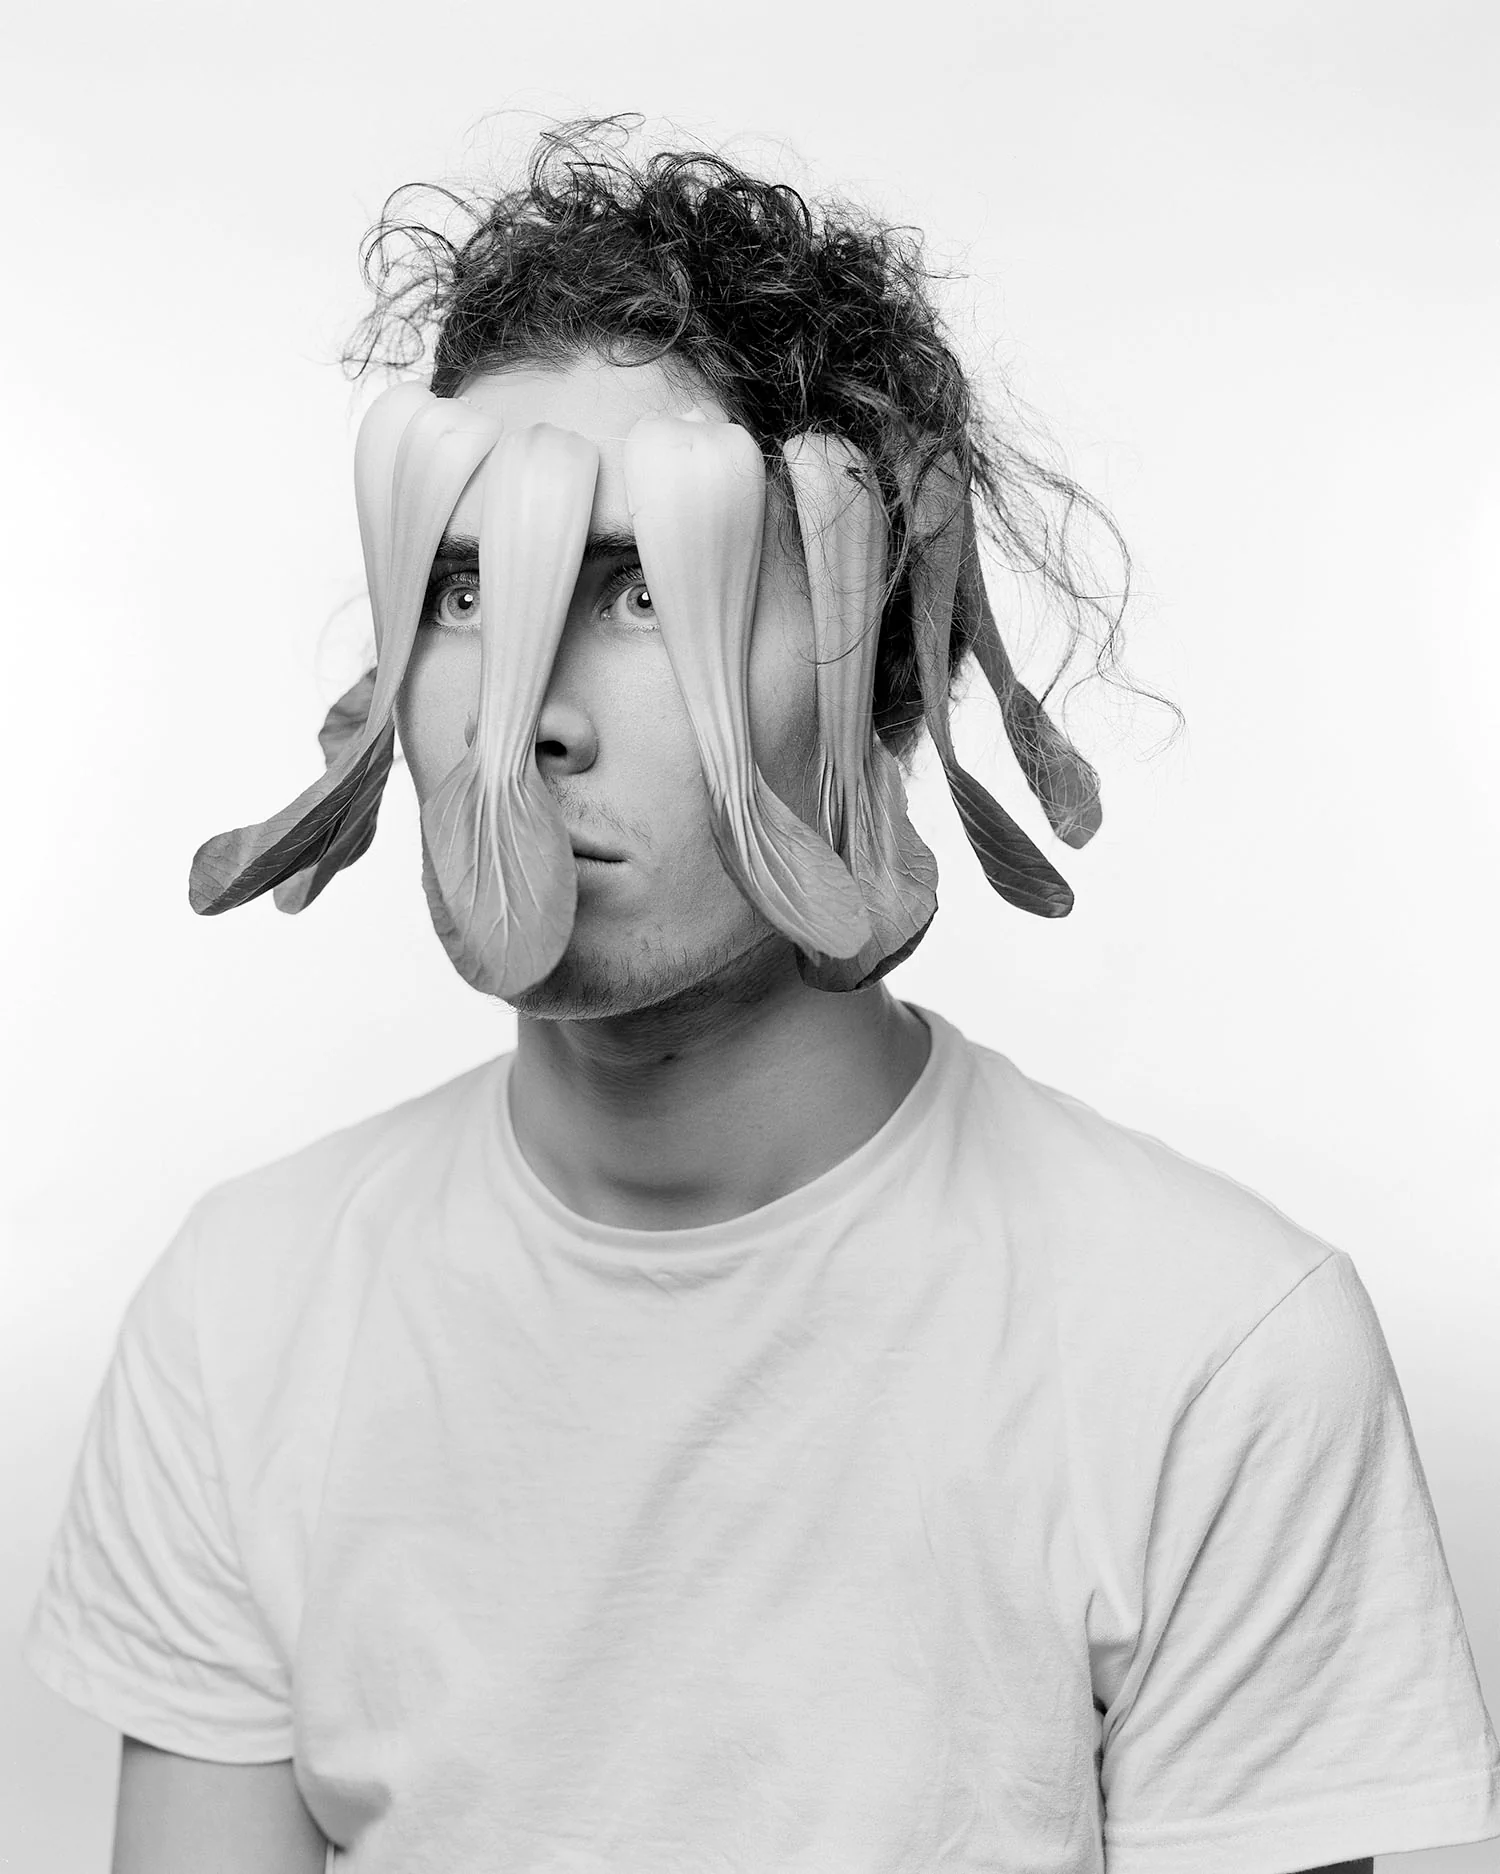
(145,1619)
(1302,1690)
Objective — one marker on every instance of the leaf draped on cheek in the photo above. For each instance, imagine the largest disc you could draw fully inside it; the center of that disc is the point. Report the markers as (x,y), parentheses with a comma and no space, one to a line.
(414,455)
(1012,864)
(498,865)
(696,493)
(861,795)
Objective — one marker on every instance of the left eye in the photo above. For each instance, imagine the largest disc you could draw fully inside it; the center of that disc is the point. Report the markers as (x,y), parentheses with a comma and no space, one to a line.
(454,605)
(630,601)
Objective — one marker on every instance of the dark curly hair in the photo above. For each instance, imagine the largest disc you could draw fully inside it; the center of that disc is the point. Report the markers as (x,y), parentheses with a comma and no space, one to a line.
(796,317)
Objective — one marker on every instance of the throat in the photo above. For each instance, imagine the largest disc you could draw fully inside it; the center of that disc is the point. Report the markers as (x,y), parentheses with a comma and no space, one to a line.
(677,1118)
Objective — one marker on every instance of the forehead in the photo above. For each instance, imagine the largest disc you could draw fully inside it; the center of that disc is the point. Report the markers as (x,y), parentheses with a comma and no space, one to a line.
(596,399)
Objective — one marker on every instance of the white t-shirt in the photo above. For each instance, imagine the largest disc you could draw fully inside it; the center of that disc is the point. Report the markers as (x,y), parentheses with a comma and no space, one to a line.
(1018,1497)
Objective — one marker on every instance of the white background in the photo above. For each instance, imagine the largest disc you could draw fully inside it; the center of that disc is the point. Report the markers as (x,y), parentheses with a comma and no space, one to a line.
(1243,262)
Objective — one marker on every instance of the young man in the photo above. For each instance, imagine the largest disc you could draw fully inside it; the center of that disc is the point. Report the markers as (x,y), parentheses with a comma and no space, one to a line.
(750,1427)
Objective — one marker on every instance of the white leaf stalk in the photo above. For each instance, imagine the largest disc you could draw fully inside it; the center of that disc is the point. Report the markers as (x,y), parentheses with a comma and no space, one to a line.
(696,492)
(499,868)
(861,794)
(414,456)
(374,469)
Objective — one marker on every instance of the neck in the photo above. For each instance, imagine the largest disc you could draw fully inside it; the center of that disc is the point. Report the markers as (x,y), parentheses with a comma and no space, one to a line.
(714,1103)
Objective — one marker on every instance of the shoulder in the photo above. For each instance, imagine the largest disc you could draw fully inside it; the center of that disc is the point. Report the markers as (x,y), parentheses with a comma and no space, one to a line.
(281,1254)
(1154,1261)
(1173,1303)
(378,1167)
(249,1318)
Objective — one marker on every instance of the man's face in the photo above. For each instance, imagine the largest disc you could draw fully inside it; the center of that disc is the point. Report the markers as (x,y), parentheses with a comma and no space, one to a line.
(659,915)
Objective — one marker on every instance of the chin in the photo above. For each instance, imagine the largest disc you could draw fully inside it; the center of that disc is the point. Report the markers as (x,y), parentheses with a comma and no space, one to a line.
(589,986)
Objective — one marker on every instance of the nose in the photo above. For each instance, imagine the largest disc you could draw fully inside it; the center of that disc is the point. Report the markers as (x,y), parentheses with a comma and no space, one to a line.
(565,739)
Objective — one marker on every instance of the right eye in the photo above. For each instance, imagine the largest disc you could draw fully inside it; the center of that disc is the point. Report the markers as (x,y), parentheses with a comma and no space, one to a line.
(453,603)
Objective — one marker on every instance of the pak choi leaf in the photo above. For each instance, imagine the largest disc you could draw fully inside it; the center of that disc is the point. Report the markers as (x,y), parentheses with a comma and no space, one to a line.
(861,793)
(499,869)
(1012,864)
(343,724)
(696,492)
(1066,785)
(418,452)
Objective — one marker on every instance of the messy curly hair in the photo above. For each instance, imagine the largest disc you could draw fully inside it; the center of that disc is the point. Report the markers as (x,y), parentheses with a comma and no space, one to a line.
(796,316)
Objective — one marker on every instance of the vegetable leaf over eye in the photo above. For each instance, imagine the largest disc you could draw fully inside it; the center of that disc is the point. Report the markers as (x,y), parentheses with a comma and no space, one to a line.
(862,799)
(1012,864)
(414,455)
(498,866)
(696,492)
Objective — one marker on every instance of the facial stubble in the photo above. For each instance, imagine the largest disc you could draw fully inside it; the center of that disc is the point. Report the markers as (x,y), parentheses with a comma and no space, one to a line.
(590,985)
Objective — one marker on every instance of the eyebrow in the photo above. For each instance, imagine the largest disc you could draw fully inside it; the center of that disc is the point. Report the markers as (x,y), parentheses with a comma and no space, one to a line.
(608,544)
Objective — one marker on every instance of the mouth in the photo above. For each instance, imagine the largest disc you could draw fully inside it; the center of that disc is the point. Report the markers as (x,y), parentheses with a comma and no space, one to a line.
(595,855)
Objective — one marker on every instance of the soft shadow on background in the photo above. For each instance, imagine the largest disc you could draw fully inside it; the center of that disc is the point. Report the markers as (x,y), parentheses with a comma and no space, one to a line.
(1240,260)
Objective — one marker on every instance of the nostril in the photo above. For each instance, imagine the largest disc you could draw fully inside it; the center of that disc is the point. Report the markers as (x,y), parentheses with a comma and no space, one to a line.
(564,739)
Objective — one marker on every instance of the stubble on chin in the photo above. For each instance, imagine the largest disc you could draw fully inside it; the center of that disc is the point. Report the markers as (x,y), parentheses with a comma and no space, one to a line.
(590,987)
